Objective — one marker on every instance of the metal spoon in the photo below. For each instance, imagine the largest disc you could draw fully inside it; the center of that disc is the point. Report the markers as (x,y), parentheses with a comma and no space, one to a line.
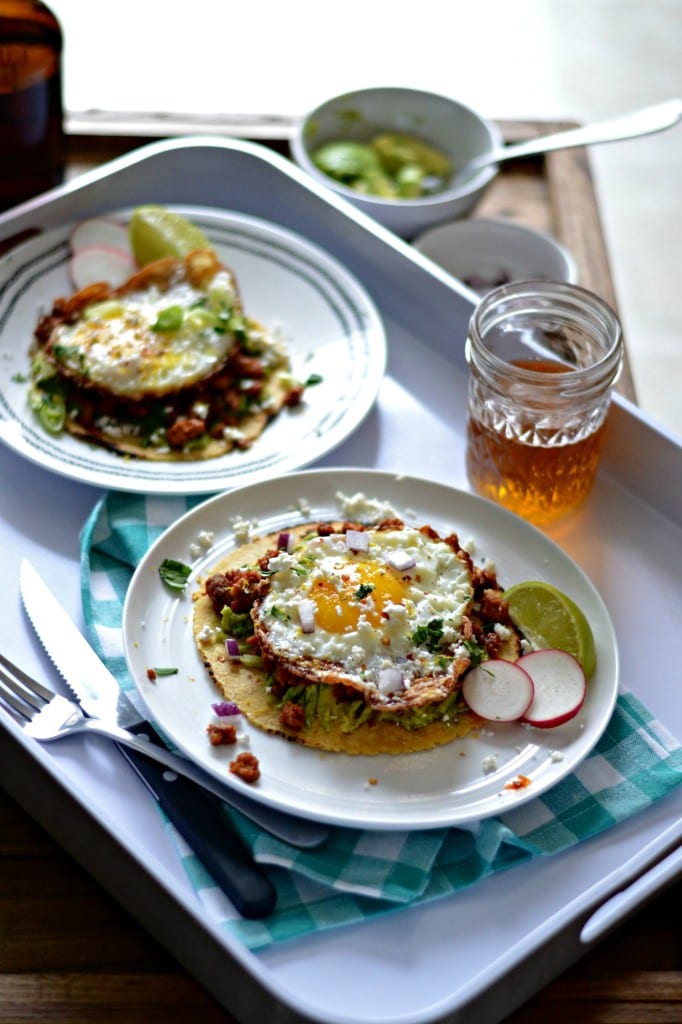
(628,126)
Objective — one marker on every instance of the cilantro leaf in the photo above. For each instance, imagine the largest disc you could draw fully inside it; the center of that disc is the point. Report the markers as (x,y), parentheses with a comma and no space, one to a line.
(429,636)
(174,574)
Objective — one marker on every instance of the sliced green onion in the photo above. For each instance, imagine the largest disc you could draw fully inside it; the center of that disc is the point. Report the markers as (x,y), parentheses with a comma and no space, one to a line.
(169,319)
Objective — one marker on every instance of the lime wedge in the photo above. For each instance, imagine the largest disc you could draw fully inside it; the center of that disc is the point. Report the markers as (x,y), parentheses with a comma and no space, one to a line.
(550,619)
(156,232)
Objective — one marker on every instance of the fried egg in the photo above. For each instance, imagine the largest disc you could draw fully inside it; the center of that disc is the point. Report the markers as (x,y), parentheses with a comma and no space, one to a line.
(361,608)
(155,340)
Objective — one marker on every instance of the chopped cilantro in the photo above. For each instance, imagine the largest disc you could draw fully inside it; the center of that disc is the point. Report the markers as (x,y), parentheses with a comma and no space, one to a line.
(429,636)
(363,591)
(475,652)
(174,574)
(313,379)
(277,613)
(70,354)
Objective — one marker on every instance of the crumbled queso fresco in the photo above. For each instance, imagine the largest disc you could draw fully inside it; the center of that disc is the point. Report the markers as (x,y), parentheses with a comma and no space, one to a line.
(204,542)
(302,506)
(365,510)
(243,529)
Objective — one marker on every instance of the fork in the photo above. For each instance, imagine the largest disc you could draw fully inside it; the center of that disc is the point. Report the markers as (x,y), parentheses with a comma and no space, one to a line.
(213,839)
(48,716)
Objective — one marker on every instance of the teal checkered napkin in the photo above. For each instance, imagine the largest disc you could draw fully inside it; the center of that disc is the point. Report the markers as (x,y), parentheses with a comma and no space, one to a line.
(360,874)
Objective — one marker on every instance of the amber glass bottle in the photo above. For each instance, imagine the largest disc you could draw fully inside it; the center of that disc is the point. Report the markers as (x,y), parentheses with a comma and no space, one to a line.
(31,121)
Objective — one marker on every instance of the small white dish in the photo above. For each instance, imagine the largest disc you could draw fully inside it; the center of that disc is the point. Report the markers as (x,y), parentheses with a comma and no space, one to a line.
(484,253)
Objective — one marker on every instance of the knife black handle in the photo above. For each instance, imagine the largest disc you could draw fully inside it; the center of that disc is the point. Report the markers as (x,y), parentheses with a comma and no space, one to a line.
(201,821)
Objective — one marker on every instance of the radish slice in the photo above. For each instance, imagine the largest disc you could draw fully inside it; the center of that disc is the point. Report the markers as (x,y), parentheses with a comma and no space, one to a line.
(99,231)
(498,690)
(101,263)
(560,687)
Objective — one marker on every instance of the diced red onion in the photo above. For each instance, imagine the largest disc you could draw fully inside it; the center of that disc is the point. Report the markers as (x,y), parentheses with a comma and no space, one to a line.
(232,648)
(357,540)
(283,541)
(306,613)
(389,680)
(401,560)
(226,709)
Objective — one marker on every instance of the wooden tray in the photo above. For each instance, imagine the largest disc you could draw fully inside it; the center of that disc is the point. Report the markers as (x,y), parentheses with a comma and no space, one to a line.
(552,193)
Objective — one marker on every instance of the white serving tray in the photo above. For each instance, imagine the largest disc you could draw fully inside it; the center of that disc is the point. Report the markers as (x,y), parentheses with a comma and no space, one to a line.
(474,957)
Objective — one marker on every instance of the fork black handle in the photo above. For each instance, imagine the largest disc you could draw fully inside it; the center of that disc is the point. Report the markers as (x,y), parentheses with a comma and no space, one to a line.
(201,821)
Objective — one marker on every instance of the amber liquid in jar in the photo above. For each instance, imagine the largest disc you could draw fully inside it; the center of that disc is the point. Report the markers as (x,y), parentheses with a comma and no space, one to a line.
(540,482)
(543,358)
(31,128)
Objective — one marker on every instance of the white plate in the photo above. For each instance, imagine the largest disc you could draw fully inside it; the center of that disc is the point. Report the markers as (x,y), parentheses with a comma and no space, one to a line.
(329,323)
(445,786)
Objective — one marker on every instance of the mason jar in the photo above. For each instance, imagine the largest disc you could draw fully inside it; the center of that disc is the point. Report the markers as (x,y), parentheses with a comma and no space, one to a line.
(543,359)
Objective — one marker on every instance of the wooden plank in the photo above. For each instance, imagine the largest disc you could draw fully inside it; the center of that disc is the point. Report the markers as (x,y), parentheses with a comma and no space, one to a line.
(69,953)
(100,997)
(555,193)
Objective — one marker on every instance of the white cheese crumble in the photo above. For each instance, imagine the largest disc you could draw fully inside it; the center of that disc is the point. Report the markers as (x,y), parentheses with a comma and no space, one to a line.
(204,542)
(363,509)
(302,506)
(243,529)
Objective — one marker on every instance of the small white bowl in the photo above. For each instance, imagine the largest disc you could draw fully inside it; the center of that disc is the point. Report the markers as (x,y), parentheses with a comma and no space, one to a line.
(454,129)
(484,253)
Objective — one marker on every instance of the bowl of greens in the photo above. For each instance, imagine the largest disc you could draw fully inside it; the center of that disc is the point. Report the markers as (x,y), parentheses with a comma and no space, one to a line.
(394,153)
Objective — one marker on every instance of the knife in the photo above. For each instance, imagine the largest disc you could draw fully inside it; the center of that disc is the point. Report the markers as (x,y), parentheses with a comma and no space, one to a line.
(196,812)
(101,697)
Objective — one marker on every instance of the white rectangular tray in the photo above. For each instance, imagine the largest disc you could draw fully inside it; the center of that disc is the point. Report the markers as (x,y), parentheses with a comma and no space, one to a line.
(473,957)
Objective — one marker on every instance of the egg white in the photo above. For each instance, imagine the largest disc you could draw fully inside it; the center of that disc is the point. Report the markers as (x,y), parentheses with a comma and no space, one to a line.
(113,345)
(368,639)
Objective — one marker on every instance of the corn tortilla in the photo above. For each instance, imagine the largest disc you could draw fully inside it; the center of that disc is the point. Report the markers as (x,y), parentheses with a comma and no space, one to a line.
(245,685)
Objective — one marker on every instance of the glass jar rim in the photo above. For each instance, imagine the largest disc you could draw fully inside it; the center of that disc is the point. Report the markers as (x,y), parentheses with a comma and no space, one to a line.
(559,298)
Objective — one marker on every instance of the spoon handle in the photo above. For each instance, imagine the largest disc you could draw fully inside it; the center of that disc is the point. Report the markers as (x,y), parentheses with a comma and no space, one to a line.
(629,126)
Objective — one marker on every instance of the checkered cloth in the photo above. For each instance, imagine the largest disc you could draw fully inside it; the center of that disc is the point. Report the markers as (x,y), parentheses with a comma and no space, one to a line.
(360,874)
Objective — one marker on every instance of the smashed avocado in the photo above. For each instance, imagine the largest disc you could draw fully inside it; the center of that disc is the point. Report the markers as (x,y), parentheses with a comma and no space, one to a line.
(319,703)
(391,165)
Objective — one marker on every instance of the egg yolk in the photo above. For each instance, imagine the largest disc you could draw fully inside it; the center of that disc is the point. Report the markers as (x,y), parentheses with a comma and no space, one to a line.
(357,590)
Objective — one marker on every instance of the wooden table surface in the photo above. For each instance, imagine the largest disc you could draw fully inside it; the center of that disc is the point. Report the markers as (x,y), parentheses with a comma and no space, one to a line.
(69,953)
